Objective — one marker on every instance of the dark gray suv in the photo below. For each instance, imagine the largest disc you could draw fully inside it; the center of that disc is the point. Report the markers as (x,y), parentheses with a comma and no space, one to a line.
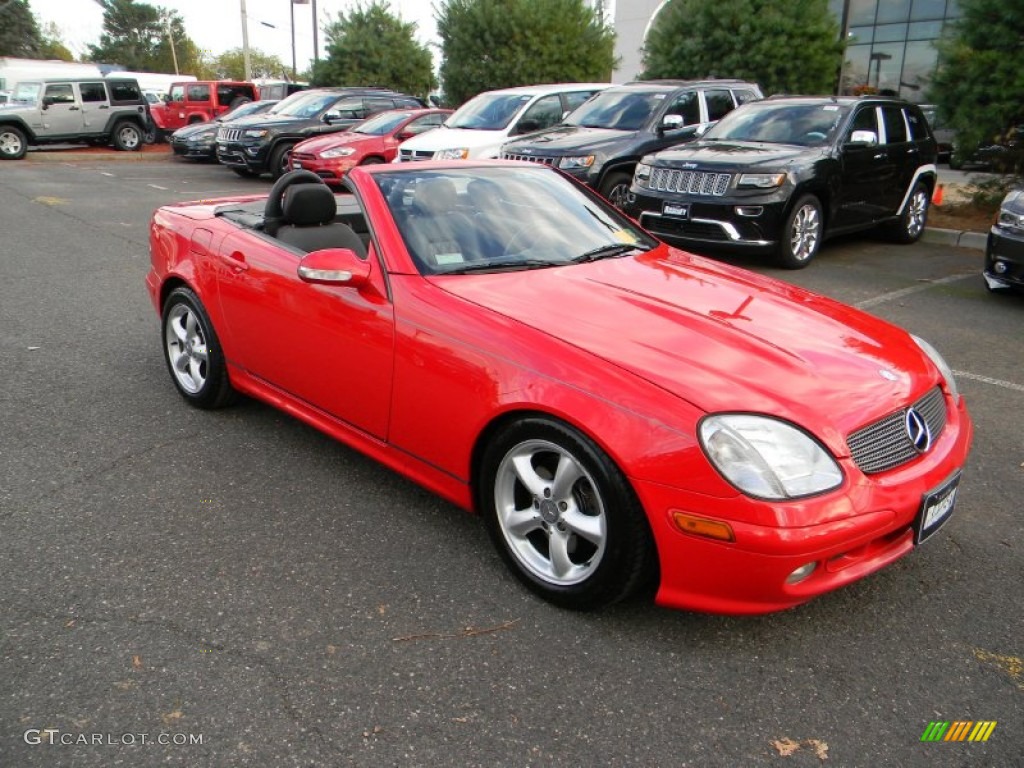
(51,111)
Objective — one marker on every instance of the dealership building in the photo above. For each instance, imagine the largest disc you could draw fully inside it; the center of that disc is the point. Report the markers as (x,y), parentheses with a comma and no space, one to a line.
(890,43)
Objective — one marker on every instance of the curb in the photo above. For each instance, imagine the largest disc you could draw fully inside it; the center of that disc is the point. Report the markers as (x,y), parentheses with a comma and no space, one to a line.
(955,237)
(77,154)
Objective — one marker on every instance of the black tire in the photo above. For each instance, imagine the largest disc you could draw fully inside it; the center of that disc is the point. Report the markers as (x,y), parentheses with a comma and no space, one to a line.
(13,144)
(279,160)
(595,522)
(149,135)
(187,335)
(910,225)
(373,161)
(127,136)
(955,163)
(242,171)
(615,186)
(802,233)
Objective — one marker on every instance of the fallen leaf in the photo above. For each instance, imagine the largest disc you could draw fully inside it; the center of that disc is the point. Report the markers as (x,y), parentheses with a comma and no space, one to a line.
(786,746)
(136,662)
(1011,665)
(172,717)
(332,649)
(820,748)
(70,624)
(124,685)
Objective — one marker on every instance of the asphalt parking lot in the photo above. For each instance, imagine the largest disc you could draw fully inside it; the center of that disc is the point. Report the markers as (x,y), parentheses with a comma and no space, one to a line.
(238,582)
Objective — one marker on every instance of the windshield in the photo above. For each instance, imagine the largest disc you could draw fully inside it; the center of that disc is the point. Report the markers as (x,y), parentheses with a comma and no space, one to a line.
(305,104)
(499,219)
(618,110)
(249,108)
(807,125)
(26,93)
(488,111)
(383,123)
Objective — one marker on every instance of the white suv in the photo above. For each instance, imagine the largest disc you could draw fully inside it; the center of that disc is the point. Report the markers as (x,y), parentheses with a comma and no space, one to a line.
(479,127)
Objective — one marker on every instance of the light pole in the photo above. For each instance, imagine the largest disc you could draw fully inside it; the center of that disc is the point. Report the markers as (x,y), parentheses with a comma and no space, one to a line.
(170,38)
(245,43)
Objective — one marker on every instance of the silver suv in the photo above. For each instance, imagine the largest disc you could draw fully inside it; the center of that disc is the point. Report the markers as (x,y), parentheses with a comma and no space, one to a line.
(51,111)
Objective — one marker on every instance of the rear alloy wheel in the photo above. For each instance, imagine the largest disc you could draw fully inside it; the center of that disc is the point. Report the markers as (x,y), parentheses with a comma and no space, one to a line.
(373,161)
(127,137)
(563,516)
(12,143)
(801,235)
(615,188)
(192,352)
(911,223)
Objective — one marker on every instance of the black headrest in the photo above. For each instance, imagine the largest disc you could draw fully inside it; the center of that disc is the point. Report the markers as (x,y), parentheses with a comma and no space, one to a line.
(307,205)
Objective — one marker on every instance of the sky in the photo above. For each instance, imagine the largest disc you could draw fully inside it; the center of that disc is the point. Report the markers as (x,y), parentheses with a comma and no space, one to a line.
(216,25)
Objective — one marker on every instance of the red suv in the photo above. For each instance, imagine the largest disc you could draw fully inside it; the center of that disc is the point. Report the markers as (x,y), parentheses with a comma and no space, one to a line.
(200,101)
(375,140)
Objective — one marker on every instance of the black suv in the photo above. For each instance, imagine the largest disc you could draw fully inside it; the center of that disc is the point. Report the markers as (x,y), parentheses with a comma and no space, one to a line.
(261,143)
(59,110)
(601,142)
(783,174)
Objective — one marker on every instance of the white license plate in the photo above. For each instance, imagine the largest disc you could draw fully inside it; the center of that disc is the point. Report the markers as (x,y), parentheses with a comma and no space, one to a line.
(678,210)
(937,508)
(296,165)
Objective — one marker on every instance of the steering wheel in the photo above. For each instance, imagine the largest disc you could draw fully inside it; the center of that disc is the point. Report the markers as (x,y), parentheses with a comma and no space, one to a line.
(273,212)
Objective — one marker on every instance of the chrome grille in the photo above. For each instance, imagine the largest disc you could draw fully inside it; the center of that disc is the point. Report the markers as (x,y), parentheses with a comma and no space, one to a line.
(690,182)
(528,158)
(886,445)
(229,134)
(410,155)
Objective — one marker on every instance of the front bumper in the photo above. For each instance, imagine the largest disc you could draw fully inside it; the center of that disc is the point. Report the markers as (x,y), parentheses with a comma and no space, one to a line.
(332,171)
(869,523)
(250,156)
(748,222)
(1004,259)
(194,151)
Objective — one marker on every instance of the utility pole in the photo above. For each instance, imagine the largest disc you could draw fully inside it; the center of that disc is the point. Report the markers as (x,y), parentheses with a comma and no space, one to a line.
(316,46)
(245,43)
(291,6)
(170,37)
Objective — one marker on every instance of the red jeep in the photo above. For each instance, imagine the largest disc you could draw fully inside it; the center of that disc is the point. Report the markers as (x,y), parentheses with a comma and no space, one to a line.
(200,101)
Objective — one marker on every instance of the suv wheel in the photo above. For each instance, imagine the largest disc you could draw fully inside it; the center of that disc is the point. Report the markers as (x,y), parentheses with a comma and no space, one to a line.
(909,226)
(801,235)
(615,187)
(12,143)
(279,160)
(127,137)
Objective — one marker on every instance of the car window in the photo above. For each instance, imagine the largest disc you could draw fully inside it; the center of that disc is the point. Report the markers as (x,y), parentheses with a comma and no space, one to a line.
(543,113)
(26,93)
(372,105)
(865,120)
(91,92)
(349,108)
(742,97)
(124,90)
(308,104)
(177,93)
(895,127)
(621,110)
(198,93)
(488,111)
(425,123)
(719,104)
(918,126)
(808,125)
(687,106)
(575,98)
(60,93)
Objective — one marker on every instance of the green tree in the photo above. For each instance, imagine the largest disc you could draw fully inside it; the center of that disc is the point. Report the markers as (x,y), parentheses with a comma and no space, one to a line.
(488,44)
(137,36)
(19,32)
(230,65)
(787,46)
(980,76)
(371,46)
(53,44)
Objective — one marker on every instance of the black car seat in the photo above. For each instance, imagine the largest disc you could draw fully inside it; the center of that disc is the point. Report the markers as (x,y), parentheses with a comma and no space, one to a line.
(308,224)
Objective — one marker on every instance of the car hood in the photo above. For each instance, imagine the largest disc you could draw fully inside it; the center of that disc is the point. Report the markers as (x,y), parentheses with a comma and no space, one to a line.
(735,154)
(320,144)
(718,337)
(479,143)
(566,138)
(189,131)
(269,121)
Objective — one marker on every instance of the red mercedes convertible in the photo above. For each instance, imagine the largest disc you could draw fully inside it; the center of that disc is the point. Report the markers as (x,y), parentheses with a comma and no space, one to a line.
(624,416)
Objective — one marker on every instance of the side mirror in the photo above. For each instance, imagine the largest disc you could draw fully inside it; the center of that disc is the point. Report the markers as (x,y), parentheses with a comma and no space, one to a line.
(528,126)
(47,101)
(671,122)
(863,139)
(403,135)
(331,117)
(334,266)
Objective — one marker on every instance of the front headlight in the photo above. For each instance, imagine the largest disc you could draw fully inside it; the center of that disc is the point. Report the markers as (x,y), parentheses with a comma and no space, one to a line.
(941,364)
(1008,218)
(761,180)
(642,175)
(256,133)
(459,153)
(337,152)
(577,162)
(768,458)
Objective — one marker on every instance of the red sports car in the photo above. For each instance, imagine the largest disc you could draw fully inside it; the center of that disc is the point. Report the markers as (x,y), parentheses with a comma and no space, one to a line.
(622,414)
(375,140)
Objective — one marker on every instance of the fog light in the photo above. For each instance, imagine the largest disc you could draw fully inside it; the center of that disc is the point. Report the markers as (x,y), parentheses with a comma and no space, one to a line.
(1000,267)
(801,573)
(749,210)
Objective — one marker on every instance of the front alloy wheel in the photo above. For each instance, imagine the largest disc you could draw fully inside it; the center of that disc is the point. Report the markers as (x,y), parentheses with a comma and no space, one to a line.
(801,236)
(563,516)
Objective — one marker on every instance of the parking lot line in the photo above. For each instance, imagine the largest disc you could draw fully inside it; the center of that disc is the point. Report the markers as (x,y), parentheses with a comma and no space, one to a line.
(989,380)
(924,286)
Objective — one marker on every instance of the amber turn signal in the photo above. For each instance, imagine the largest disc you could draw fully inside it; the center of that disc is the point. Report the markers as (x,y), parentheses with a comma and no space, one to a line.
(702,526)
